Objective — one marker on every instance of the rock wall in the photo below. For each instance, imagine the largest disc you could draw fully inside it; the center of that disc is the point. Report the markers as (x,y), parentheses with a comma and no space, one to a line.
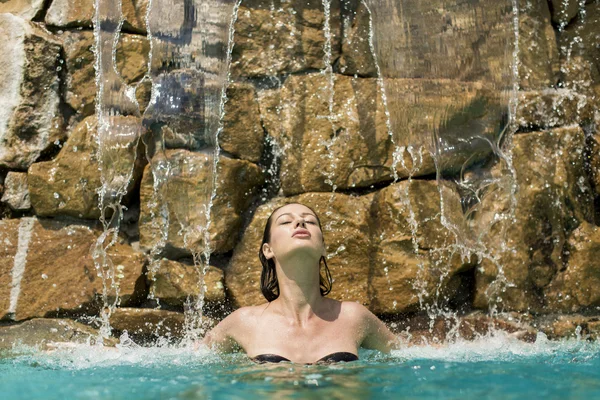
(508,227)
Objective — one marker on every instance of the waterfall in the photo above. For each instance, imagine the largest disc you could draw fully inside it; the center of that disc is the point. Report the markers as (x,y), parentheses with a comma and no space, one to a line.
(188,79)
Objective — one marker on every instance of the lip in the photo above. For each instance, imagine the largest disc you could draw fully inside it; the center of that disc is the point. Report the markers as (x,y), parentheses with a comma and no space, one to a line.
(301,232)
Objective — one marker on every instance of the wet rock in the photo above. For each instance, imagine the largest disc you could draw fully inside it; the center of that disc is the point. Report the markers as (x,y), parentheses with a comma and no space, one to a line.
(345,222)
(132,63)
(46,268)
(552,199)
(538,52)
(287,38)
(132,57)
(16,193)
(579,59)
(563,11)
(351,145)
(441,30)
(174,282)
(30,120)
(571,326)
(357,55)
(422,329)
(414,258)
(26,9)
(173,210)
(81,76)
(242,134)
(69,184)
(80,13)
(47,333)
(551,108)
(575,287)
(145,324)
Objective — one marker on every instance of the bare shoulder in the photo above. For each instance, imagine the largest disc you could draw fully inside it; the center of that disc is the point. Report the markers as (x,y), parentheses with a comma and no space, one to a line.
(356,310)
(244,315)
(235,329)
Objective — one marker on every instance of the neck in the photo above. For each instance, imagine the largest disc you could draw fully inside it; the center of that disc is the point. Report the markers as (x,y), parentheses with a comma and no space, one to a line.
(299,294)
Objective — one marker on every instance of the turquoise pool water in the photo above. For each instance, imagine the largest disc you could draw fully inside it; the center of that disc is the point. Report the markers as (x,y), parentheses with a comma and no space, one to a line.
(498,367)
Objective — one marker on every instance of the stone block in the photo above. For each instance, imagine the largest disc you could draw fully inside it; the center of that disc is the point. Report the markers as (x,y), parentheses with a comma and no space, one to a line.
(286,38)
(414,254)
(174,282)
(70,184)
(80,13)
(26,9)
(16,191)
(30,119)
(353,144)
(173,208)
(46,268)
(526,235)
(242,134)
(131,64)
(48,334)
(575,286)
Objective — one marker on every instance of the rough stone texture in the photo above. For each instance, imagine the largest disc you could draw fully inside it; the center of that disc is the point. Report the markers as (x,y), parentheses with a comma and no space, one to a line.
(451,40)
(357,55)
(345,221)
(414,258)
(47,334)
(26,9)
(16,193)
(242,134)
(553,198)
(286,39)
(57,270)
(79,13)
(132,63)
(563,11)
(81,76)
(174,282)
(538,52)
(579,54)
(30,120)
(416,39)
(132,57)
(571,326)
(183,194)
(143,324)
(419,329)
(146,323)
(68,185)
(551,108)
(575,287)
(351,147)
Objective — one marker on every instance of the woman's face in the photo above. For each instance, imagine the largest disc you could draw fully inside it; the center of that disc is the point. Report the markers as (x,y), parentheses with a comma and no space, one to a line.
(294,228)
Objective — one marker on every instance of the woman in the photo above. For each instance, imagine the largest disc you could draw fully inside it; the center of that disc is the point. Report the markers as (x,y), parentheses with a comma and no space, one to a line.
(299,324)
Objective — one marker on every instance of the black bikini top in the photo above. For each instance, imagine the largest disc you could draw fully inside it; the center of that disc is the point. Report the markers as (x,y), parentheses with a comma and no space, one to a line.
(330,358)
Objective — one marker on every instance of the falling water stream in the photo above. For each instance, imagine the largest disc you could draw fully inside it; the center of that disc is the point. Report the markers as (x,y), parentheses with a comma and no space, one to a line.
(188,81)
(190,51)
(467,146)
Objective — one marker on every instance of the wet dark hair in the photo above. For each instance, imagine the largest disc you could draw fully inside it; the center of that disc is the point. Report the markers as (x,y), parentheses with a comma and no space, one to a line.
(269,285)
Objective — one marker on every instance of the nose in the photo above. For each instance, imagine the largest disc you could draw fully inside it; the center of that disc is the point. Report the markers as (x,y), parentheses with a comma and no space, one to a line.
(301,222)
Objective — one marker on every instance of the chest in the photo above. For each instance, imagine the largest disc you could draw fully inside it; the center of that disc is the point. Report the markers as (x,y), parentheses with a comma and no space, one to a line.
(306,343)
